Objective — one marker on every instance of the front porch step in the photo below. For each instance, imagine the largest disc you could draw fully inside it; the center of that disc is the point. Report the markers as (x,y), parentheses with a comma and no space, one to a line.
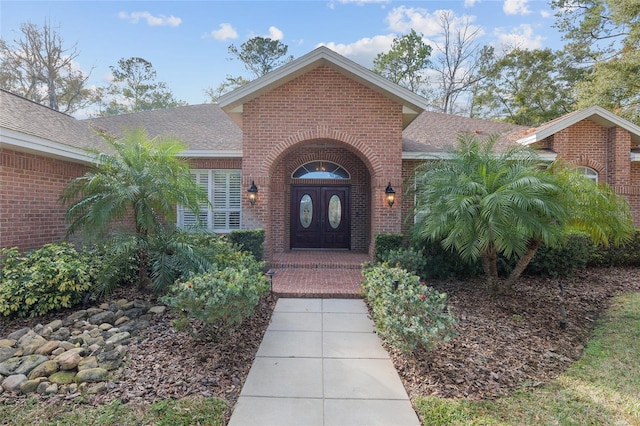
(318,274)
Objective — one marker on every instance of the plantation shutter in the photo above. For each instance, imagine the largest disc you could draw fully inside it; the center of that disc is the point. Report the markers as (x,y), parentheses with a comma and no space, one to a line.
(186,217)
(224,190)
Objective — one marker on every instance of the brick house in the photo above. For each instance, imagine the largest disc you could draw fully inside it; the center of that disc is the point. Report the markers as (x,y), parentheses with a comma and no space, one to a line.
(321,139)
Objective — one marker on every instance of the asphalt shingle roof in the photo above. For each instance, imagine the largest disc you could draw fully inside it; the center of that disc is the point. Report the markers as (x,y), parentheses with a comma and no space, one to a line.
(200,127)
(31,118)
(436,132)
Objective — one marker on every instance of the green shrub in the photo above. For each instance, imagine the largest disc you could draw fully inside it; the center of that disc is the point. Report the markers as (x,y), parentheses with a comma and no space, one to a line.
(250,240)
(624,255)
(409,314)
(561,261)
(221,297)
(386,242)
(52,277)
(409,259)
(441,264)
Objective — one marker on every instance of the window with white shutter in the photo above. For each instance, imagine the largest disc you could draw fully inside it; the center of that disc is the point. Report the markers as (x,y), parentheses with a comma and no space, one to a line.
(224,190)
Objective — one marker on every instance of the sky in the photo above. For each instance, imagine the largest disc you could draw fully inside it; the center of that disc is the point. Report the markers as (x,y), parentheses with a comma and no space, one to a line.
(187,41)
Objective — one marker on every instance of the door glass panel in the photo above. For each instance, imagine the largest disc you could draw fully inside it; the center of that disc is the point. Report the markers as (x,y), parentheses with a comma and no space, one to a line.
(306,211)
(335,211)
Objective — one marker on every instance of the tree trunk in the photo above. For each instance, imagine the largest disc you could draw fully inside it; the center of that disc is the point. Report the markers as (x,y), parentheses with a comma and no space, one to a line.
(490,267)
(523,262)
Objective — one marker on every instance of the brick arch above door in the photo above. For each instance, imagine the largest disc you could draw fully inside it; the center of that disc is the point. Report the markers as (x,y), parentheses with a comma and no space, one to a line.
(360,148)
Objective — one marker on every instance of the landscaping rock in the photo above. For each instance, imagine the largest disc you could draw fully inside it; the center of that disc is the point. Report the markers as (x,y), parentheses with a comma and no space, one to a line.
(12,383)
(63,377)
(73,355)
(70,359)
(6,353)
(62,333)
(118,338)
(157,309)
(21,365)
(87,363)
(48,347)
(16,335)
(7,343)
(91,375)
(45,369)
(30,386)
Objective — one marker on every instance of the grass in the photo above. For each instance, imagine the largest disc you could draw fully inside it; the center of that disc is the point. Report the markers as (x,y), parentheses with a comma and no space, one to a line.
(602,388)
(188,411)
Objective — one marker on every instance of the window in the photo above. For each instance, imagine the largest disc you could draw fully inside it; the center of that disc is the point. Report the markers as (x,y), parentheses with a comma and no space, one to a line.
(225,195)
(588,172)
(320,170)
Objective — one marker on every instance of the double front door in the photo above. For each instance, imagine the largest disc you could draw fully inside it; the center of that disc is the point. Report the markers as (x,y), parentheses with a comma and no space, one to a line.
(320,217)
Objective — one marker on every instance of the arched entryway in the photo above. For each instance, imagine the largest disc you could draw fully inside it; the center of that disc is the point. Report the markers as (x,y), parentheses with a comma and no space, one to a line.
(313,208)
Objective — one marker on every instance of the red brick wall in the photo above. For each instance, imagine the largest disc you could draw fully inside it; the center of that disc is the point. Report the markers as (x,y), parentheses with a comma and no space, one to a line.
(320,105)
(30,213)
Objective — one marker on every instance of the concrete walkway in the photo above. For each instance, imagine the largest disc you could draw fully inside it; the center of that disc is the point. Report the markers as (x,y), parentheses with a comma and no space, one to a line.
(320,363)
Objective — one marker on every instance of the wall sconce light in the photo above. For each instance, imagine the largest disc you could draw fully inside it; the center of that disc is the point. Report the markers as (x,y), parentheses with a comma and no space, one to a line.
(390,195)
(253,193)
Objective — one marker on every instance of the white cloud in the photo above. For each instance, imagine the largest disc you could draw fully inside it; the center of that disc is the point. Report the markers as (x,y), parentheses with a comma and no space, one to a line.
(545,13)
(225,32)
(364,50)
(470,3)
(522,37)
(153,21)
(402,19)
(516,7)
(275,33)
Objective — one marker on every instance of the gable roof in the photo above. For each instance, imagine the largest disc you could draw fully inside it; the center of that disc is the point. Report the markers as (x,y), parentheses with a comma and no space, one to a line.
(30,127)
(232,102)
(205,129)
(434,133)
(595,113)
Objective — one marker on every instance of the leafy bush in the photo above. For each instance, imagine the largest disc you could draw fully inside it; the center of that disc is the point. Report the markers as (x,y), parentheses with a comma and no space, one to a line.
(408,314)
(221,297)
(52,277)
(624,255)
(409,259)
(441,264)
(561,261)
(250,240)
(385,243)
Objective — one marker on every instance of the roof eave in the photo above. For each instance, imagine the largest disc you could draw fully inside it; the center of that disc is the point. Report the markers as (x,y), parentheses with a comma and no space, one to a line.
(602,116)
(28,143)
(208,153)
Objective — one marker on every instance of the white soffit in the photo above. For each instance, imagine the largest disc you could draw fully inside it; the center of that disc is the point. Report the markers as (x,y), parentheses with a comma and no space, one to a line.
(28,143)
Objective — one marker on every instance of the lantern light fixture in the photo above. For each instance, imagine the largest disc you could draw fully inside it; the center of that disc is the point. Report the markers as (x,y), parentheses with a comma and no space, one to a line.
(253,193)
(390,195)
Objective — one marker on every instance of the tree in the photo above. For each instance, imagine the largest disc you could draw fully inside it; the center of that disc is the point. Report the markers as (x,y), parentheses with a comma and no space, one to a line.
(38,67)
(406,62)
(261,55)
(140,183)
(134,88)
(230,83)
(526,87)
(604,38)
(455,62)
(485,204)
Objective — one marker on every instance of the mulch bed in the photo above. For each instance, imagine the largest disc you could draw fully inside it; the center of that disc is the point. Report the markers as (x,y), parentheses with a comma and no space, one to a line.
(504,342)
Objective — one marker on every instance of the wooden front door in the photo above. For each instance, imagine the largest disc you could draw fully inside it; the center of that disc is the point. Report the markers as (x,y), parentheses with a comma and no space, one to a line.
(320,217)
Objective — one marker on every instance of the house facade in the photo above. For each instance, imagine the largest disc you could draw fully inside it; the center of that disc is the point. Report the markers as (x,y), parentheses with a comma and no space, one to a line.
(322,140)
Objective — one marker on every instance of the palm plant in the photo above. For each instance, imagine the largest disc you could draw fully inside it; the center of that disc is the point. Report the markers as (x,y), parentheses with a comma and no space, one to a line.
(136,188)
(485,204)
